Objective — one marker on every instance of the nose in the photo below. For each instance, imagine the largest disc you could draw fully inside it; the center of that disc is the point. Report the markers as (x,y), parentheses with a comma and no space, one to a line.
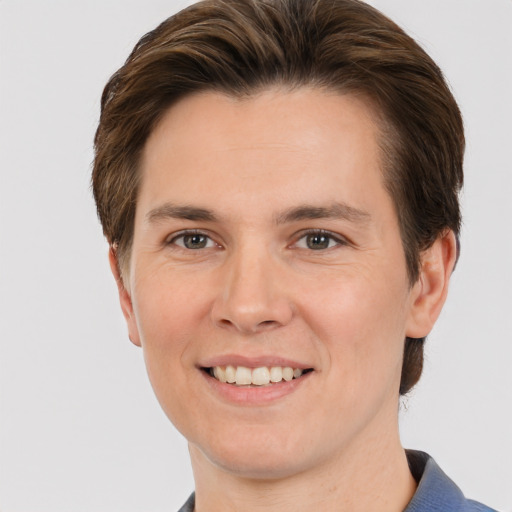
(252,294)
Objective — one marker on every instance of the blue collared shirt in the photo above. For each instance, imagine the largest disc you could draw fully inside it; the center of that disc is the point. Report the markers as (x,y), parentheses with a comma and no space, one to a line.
(435,492)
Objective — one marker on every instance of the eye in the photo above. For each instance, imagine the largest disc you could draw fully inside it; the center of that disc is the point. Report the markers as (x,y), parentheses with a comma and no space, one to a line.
(193,241)
(319,241)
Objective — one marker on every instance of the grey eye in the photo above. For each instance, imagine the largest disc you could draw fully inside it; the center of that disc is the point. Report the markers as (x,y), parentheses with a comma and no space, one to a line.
(193,241)
(318,241)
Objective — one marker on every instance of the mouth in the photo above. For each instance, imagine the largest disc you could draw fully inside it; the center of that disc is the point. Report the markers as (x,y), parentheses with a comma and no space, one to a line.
(243,376)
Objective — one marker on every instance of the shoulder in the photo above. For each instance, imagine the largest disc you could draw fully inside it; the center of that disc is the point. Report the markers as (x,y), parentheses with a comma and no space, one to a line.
(474,506)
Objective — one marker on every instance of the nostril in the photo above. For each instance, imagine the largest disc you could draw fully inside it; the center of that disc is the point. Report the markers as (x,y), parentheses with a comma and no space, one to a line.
(259,326)
(267,323)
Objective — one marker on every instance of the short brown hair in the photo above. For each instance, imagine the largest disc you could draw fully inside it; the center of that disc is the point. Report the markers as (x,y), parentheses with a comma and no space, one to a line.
(242,46)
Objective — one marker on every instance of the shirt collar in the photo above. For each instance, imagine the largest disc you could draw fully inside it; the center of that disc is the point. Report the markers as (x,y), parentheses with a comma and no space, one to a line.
(435,492)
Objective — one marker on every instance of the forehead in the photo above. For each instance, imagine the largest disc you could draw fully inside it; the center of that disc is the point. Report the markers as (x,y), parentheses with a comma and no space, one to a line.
(283,138)
(309,114)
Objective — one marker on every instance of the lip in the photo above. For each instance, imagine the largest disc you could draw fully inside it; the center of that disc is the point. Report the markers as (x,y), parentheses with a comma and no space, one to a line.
(252,362)
(254,395)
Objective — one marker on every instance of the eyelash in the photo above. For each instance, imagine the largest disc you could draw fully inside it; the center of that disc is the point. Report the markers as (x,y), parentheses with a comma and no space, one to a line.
(339,240)
(191,232)
(331,237)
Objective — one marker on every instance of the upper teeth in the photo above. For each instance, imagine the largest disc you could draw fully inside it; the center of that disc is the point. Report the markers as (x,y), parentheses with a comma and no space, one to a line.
(243,376)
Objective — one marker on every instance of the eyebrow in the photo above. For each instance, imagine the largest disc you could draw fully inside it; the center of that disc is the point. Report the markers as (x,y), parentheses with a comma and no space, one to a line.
(295,214)
(171,211)
(334,211)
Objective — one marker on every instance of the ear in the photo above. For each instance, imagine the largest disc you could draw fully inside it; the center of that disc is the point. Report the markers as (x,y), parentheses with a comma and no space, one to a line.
(124,298)
(430,290)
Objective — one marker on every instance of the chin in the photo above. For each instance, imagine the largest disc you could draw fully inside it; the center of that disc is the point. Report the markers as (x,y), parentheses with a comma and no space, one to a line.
(254,465)
(257,454)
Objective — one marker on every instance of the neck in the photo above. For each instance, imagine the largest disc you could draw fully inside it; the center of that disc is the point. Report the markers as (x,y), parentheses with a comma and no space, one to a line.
(373,474)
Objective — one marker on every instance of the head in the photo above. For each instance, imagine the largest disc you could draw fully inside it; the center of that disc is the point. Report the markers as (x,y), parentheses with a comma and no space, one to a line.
(243,48)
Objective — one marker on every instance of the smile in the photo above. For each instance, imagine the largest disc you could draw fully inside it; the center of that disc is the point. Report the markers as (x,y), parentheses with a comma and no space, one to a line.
(261,376)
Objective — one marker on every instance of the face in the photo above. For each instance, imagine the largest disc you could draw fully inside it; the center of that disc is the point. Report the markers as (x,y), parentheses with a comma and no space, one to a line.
(267,249)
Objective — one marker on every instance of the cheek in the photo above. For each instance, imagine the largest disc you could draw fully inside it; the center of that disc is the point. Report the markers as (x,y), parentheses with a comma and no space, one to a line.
(170,313)
(167,317)
(355,304)
(167,305)
(361,323)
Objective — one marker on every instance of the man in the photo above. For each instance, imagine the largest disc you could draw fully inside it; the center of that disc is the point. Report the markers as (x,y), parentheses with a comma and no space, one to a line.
(278,183)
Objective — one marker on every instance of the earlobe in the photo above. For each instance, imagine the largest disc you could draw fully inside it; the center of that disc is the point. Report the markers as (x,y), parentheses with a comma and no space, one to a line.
(430,290)
(124,298)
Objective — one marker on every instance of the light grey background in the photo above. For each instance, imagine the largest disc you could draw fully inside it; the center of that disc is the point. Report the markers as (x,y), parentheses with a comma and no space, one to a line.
(80,429)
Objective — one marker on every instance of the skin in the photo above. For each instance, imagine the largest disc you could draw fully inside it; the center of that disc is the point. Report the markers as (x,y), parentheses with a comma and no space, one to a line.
(261,289)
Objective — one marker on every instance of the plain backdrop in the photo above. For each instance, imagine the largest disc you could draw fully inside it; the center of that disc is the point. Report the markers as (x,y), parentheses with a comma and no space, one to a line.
(80,429)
